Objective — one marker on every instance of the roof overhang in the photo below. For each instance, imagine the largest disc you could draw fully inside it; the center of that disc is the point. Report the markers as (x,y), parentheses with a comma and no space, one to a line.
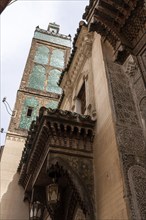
(54,132)
(122,23)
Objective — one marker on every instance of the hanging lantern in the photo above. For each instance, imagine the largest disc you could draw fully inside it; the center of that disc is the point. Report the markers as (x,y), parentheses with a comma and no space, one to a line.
(53,192)
(36,211)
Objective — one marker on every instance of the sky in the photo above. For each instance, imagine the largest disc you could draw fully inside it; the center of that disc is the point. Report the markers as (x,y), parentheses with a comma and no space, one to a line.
(17,24)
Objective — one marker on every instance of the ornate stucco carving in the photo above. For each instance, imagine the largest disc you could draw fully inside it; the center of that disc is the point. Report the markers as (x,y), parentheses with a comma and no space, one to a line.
(124,113)
(137,178)
(143,105)
(143,111)
(130,139)
(131,68)
(122,23)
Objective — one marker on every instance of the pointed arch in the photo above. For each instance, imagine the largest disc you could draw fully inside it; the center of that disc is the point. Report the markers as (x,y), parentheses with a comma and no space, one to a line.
(79,191)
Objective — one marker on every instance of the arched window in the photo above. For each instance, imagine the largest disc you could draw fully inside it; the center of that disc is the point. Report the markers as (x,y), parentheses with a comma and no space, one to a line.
(42,55)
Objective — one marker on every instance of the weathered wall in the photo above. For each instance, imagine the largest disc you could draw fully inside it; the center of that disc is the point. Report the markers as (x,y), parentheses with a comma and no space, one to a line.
(12,204)
(110,203)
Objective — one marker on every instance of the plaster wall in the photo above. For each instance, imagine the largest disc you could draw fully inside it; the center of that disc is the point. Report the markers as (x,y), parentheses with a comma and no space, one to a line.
(12,205)
(109,191)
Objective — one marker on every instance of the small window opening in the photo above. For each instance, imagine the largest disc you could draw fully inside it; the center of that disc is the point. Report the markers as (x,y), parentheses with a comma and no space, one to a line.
(82,99)
(29,111)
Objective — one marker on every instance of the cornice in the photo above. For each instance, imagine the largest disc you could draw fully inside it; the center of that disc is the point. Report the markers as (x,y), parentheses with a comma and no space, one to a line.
(68,37)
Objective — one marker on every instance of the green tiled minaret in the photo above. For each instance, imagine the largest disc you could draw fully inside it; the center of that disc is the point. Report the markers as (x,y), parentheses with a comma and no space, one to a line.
(47,58)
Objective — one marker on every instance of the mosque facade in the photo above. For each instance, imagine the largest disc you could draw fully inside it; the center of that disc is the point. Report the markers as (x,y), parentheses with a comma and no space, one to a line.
(76,145)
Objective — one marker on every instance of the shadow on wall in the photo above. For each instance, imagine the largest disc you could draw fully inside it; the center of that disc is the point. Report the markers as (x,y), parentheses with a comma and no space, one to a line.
(12,206)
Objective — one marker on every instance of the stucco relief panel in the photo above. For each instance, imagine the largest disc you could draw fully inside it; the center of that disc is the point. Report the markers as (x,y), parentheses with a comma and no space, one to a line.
(137,177)
(130,139)
(125,110)
(84,169)
(143,107)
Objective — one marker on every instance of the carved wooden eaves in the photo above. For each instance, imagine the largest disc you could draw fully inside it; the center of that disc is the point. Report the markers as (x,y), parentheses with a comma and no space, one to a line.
(54,131)
(122,23)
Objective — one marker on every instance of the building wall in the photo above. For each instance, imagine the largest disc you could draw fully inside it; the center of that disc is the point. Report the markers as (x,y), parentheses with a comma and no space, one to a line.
(109,186)
(12,205)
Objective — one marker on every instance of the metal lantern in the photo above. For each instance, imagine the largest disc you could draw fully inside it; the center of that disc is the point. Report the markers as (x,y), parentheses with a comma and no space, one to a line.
(36,211)
(53,193)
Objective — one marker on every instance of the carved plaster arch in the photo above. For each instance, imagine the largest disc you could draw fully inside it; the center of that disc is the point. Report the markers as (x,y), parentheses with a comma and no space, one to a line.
(58,164)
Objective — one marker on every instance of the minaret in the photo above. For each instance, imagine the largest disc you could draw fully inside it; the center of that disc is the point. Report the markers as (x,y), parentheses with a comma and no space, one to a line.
(48,56)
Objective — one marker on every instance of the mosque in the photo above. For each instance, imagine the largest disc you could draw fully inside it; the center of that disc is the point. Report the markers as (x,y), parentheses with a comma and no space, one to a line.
(76,145)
